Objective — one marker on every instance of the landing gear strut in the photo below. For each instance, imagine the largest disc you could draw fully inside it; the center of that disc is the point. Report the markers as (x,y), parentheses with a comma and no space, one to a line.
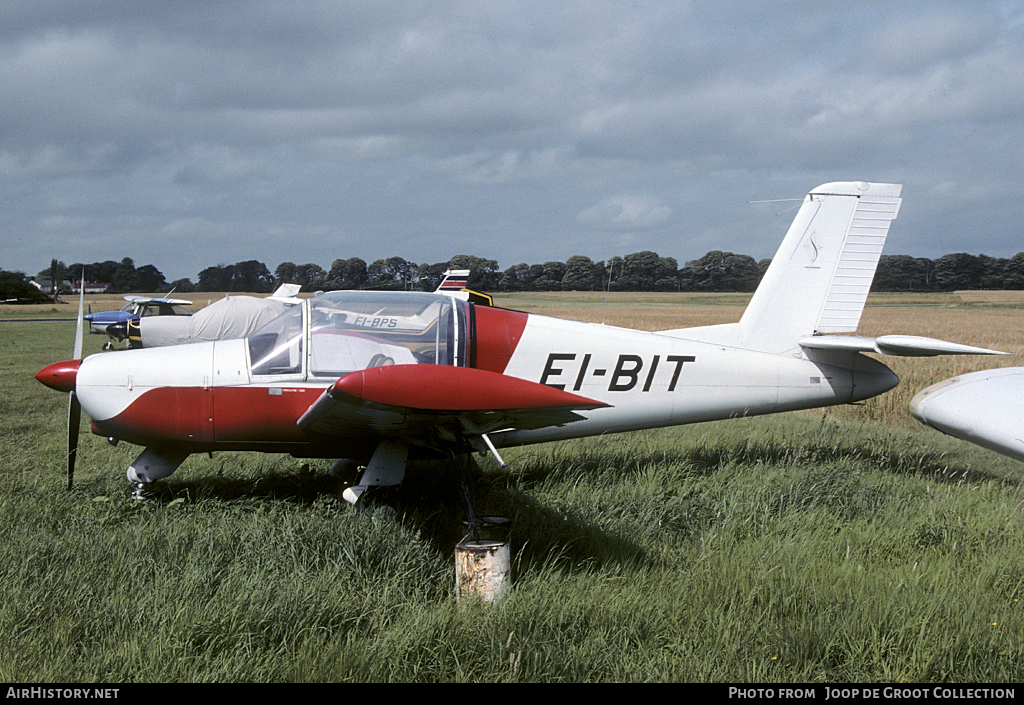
(152,464)
(385,469)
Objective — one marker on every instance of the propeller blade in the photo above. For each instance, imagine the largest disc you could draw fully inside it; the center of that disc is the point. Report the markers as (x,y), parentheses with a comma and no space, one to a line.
(74,421)
(74,406)
(81,319)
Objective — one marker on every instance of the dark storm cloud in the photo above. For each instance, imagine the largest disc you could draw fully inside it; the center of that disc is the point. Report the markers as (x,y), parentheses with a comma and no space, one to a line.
(177,133)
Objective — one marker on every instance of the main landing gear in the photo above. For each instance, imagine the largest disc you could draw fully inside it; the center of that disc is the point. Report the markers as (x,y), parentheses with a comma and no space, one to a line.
(385,469)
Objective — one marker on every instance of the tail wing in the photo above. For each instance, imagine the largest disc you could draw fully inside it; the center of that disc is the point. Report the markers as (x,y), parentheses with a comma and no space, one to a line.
(454,285)
(454,280)
(287,293)
(820,277)
(819,280)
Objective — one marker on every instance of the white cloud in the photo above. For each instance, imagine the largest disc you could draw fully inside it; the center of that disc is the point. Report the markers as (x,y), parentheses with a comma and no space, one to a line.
(626,212)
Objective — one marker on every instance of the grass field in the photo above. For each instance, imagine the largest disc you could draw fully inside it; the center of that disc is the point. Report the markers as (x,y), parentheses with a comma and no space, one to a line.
(839,546)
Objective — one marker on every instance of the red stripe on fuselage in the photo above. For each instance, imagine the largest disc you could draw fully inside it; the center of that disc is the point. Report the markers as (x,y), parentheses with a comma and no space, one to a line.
(498,332)
(185,416)
(163,416)
(265,414)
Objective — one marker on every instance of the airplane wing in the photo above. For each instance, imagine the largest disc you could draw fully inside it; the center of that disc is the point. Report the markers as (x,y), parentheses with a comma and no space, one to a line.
(154,300)
(434,405)
(981,407)
(897,345)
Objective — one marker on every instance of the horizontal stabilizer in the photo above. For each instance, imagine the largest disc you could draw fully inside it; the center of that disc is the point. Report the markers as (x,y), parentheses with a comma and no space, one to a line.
(898,345)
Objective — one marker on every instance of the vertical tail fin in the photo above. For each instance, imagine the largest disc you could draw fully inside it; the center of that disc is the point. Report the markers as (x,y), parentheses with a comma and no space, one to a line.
(820,277)
(454,285)
(454,280)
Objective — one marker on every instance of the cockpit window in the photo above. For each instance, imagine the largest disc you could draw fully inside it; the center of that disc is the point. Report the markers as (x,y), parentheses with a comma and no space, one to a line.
(276,348)
(164,310)
(356,330)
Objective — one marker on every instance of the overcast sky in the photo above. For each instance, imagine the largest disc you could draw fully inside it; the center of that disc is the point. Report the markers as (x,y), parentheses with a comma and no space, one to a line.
(199,132)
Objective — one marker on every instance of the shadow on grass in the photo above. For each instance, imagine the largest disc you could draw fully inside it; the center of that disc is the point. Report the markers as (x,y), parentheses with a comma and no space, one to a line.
(548,532)
(707,457)
(432,501)
(545,537)
(276,485)
(890,457)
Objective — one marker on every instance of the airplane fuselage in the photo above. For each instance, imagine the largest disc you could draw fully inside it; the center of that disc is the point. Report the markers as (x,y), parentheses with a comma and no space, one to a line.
(652,380)
(205,396)
(101,322)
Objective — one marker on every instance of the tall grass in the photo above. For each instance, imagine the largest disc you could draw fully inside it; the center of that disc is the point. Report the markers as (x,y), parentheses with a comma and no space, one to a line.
(798,547)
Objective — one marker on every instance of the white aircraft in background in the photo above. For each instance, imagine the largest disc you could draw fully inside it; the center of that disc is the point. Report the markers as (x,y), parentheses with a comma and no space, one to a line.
(347,375)
(984,408)
(230,317)
(239,316)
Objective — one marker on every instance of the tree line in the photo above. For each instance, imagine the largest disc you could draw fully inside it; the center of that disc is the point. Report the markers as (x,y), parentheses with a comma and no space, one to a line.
(949,273)
(716,271)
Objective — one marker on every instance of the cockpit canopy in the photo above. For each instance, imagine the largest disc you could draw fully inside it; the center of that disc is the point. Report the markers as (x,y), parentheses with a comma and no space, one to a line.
(155,308)
(343,331)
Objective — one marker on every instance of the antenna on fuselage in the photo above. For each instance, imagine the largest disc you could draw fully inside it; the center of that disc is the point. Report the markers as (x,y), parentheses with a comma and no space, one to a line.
(607,292)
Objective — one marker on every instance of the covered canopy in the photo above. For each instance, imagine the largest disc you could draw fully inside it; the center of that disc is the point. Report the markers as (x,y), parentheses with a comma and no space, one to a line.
(229,318)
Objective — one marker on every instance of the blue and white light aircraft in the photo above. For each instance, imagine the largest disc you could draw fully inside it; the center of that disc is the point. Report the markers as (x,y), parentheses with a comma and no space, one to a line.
(115,323)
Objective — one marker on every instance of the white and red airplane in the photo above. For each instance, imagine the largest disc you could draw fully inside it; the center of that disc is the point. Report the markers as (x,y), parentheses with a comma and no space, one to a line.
(381,377)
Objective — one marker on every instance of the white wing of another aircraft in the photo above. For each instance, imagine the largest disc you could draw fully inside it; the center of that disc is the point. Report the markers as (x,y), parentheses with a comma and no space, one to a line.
(985,408)
(139,300)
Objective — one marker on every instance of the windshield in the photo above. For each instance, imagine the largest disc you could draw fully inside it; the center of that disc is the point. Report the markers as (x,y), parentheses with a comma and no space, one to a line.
(356,330)
(352,330)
